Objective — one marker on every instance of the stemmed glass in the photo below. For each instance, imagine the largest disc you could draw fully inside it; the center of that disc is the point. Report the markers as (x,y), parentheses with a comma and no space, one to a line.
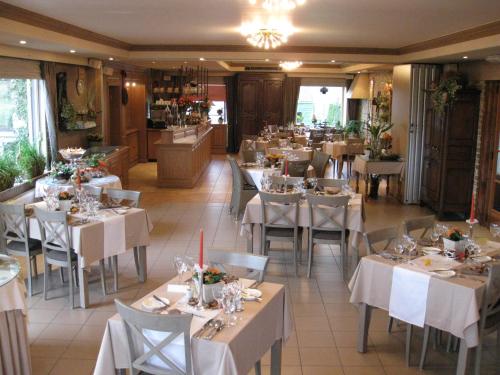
(180,266)
(495,230)
(435,236)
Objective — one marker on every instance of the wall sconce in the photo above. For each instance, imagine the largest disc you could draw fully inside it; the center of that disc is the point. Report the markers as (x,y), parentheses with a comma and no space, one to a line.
(133,84)
(127,84)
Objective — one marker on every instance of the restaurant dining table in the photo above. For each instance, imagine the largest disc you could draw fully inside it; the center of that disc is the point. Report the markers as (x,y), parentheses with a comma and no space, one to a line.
(451,304)
(43,185)
(250,224)
(297,154)
(339,150)
(261,326)
(110,232)
(254,173)
(363,166)
(14,344)
(301,139)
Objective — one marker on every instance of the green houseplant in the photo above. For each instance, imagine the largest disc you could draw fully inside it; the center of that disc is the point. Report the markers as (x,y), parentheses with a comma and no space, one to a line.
(445,93)
(353,128)
(376,129)
(8,172)
(31,162)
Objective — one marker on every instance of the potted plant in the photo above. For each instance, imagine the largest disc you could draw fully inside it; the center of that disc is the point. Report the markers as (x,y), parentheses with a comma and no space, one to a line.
(94,140)
(213,280)
(376,129)
(65,201)
(31,162)
(62,171)
(220,119)
(453,242)
(445,93)
(353,128)
(8,172)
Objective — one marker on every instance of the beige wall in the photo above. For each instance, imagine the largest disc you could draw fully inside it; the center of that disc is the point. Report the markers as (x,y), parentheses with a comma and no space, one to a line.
(400,108)
(477,71)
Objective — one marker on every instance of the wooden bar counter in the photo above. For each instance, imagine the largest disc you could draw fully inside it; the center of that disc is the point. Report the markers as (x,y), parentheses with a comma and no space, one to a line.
(182,155)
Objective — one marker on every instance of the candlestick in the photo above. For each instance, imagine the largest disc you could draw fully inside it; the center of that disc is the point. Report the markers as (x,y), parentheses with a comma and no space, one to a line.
(471,222)
(286,167)
(472,209)
(201,249)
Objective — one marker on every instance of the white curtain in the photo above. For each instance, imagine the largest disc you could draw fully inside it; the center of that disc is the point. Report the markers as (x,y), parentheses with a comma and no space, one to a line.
(48,98)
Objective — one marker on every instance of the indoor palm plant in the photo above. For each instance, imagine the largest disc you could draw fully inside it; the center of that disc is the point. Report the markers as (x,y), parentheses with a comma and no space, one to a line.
(376,129)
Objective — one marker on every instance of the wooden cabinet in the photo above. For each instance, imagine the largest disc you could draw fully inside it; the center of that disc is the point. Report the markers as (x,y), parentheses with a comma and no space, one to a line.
(118,164)
(154,135)
(449,156)
(260,98)
(219,138)
(133,144)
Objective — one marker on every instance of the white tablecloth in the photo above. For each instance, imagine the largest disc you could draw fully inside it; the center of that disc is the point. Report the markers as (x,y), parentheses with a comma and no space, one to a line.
(234,350)
(44,184)
(300,154)
(98,240)
(13,296)
(364,166)
(355,220)
(340,148)
(452,304)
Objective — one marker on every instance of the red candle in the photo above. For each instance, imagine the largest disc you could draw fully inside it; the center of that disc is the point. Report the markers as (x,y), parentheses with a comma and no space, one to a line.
(286,167)
(471,219)
(201,249)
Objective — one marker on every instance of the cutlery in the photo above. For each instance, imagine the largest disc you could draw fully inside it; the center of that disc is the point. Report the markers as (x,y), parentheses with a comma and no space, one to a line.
(211,326)
(202,330)
(160,300)
(216,331)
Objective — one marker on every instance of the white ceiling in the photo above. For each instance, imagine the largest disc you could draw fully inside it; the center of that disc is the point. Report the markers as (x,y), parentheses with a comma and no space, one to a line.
(338,23)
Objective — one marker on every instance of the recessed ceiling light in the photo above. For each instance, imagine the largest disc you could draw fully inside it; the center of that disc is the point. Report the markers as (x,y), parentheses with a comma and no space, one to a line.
(153,62)
(111,58)
(332,61)
(72,51)
(202,59)
(465,57)
(266,60)
(359,72)
(22,42)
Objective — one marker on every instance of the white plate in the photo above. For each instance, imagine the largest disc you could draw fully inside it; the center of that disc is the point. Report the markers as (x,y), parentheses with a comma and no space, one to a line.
(250,294)
(445,274)
(152,304)
(482,259)
(430,250)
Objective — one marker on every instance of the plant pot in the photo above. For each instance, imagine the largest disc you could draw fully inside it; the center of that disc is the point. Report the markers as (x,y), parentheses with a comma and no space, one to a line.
(453,247)
(65,205)
(209,291)
(95,144)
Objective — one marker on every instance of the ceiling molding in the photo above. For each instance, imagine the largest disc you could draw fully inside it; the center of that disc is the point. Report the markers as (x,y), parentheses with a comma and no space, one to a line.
(35,19)
(482,31)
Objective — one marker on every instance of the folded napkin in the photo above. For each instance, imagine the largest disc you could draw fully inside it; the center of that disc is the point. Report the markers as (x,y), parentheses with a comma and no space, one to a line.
(408,300)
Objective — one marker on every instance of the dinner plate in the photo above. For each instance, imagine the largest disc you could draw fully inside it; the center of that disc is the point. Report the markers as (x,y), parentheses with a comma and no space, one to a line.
(445,274)
(152,304)
(427,250)
(482,259)
(250,294)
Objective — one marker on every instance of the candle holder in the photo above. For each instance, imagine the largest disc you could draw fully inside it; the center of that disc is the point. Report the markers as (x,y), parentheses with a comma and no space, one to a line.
(199,286)
(471,224)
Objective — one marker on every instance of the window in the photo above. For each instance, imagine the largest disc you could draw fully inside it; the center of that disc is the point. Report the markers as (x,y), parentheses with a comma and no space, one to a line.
(21,112)
(323,104)
(217,94)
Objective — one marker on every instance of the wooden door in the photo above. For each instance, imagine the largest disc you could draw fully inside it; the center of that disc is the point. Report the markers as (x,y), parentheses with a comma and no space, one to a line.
(272,101)
(248,107)
(114,121)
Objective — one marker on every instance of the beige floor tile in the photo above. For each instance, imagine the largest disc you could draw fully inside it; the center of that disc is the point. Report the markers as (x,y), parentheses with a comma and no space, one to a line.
(79,349)
(322,370)
(99,318)
(285,370)
(306,323)
(45,348)
(56,331)
(73,367)
(73,316)
(343,323)
(319,357)
(315,339)
(34,330)
(41,315)
(308,310)
(351,357)
(361,370)
(42,366)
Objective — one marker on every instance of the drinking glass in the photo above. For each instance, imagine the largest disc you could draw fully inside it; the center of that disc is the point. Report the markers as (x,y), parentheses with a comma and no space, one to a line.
(495,230)
(180,266)
(434,237)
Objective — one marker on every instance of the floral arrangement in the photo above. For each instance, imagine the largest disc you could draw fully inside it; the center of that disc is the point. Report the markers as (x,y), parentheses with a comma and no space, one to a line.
(65,196)
(62,171)
(185,102)
(376,129)
(96,161)
(454,234)
(205,105)
(445,93)
(386,141)
(211,276)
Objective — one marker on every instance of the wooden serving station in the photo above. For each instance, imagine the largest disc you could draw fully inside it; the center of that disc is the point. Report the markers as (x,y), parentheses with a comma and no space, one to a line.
(183,153)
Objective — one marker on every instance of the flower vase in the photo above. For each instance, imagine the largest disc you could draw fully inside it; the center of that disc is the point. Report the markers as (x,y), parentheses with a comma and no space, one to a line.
(453,248)
(65,205)
(210,291)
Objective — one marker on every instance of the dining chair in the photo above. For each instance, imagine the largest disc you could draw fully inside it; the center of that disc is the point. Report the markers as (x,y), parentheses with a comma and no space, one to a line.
(489,320)
(320,163)
(327,223)
(332,182)
(249,156)
(58,250)
(155,339)
(280,217)
(95,191)
(243,189)
(352,144)
(386,236)
(132,199)
(280,182)
(249,137)
(16,240)
(423,223)
(256,263)
(296,168)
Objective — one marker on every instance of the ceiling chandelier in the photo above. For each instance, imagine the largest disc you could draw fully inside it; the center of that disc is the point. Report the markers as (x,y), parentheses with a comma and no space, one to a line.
(273,5)
(270,34)
(290,65)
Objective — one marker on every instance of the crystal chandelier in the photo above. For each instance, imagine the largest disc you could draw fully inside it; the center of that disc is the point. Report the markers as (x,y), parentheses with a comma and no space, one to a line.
(270,34)
(273,5)
(290,65)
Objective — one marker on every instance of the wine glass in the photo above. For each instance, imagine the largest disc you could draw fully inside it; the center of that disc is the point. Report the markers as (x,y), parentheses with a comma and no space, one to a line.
(180,266)
(435,236)
(495,230)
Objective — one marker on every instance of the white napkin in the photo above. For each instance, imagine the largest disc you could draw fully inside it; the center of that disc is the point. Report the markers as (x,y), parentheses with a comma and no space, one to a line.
(408,301)
(433,262)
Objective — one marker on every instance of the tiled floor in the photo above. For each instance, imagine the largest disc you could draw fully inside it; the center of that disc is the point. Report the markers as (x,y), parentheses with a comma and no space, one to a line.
(65,341)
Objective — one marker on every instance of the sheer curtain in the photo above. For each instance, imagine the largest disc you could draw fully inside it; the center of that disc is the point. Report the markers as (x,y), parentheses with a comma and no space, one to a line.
(291,96)
(48,98)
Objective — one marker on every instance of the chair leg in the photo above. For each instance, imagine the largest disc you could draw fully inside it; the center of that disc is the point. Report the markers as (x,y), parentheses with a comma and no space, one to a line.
(35,267)
(425,346)
(295,248)
(71,291)
(449,343)
(477,360)
(110,264)
(45,279)
(74,273)
(136,260)
(409,332)
(258,368)
(115,272)
(30,276)
(389,324)
(310,249)
(61,273)
(103,276)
